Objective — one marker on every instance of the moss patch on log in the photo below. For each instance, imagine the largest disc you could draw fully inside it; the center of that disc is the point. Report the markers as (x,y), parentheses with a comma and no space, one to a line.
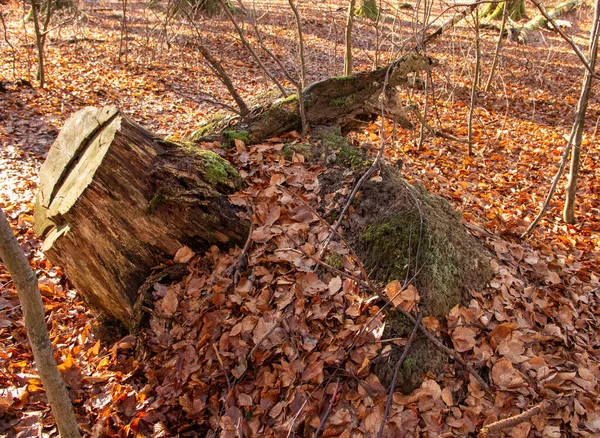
(299,148)
(188,175)
(233,135)
(403,233)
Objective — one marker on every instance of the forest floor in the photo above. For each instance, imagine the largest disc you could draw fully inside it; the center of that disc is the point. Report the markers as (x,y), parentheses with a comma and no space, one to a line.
(533,333)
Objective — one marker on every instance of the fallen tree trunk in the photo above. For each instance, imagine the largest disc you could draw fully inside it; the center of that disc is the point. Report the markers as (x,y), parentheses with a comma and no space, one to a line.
(541,21)
(116,200)
(344,101)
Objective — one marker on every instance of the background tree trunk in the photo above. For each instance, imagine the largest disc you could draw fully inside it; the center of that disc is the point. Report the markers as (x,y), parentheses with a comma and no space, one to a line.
(116,201)
(26,284)
(368,9)
(348,39)
(494,11)
(578,126)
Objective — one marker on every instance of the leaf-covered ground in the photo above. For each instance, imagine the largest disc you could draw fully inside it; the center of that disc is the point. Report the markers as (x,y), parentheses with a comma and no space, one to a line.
(287,349)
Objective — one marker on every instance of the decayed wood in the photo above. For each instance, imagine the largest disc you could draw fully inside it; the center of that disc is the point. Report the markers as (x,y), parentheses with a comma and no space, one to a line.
(541,20)
(116,200)
(342,101)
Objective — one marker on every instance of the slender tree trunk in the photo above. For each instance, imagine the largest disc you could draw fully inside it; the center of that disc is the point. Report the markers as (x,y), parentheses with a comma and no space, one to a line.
(494,11)
(26,284)
(569,210)
(302,82)
(475,83)
(39,42)
(348,39)
(251,49)
(218,69)
(496,52)
(123,40)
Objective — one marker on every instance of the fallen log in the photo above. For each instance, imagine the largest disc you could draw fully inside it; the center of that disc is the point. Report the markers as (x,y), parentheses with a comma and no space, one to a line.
(116,200)
(345,101)
(541,21)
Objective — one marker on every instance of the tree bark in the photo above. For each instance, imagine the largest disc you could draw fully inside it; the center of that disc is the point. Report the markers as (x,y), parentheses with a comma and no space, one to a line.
(368,9)
(541,21)
(348,39)
(578,126)
(116,201)
(516,10)
(26,284)
(346,101)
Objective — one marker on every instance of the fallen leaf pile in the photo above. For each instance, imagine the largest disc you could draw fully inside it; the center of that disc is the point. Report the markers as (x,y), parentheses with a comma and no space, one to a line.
(288,349)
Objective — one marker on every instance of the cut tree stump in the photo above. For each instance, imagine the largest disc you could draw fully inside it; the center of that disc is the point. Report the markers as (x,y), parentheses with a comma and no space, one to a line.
(116,200)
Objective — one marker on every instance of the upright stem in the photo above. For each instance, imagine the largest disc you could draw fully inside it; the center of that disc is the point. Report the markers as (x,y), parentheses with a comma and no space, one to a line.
(425,108)
(39,42)
(475,83)
(578,126)
(496,52)
(123,32)
(26,284)
(302,82)
(348,38)
(251,49)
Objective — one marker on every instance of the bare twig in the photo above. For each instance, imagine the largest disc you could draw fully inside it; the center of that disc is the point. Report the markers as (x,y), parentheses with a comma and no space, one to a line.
(437,132)
(210,100)
(515,420)
(302,83)
(475,81)
(251,49)
(331,403)
(262,339)
(217,68)
(497,51)
(392,387)
(337,233)
(584,60)
(263,46)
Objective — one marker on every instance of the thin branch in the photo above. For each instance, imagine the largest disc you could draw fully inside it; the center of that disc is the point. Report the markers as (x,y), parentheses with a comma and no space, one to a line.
(302,84)
(331,403)
(251,49)
(515,420)
(217,68)
(207,100)
(569,41)
(497,51)
(392,387)
(262,45)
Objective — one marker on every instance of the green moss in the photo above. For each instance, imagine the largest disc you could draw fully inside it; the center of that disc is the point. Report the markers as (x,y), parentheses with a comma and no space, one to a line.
(410,363)
(301,148)
(333,259)
(368,9)
(339,101)
(231,136)
(393,247)
(331,138)
(353,157)
(216,170)
(155,202)
(289,99)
